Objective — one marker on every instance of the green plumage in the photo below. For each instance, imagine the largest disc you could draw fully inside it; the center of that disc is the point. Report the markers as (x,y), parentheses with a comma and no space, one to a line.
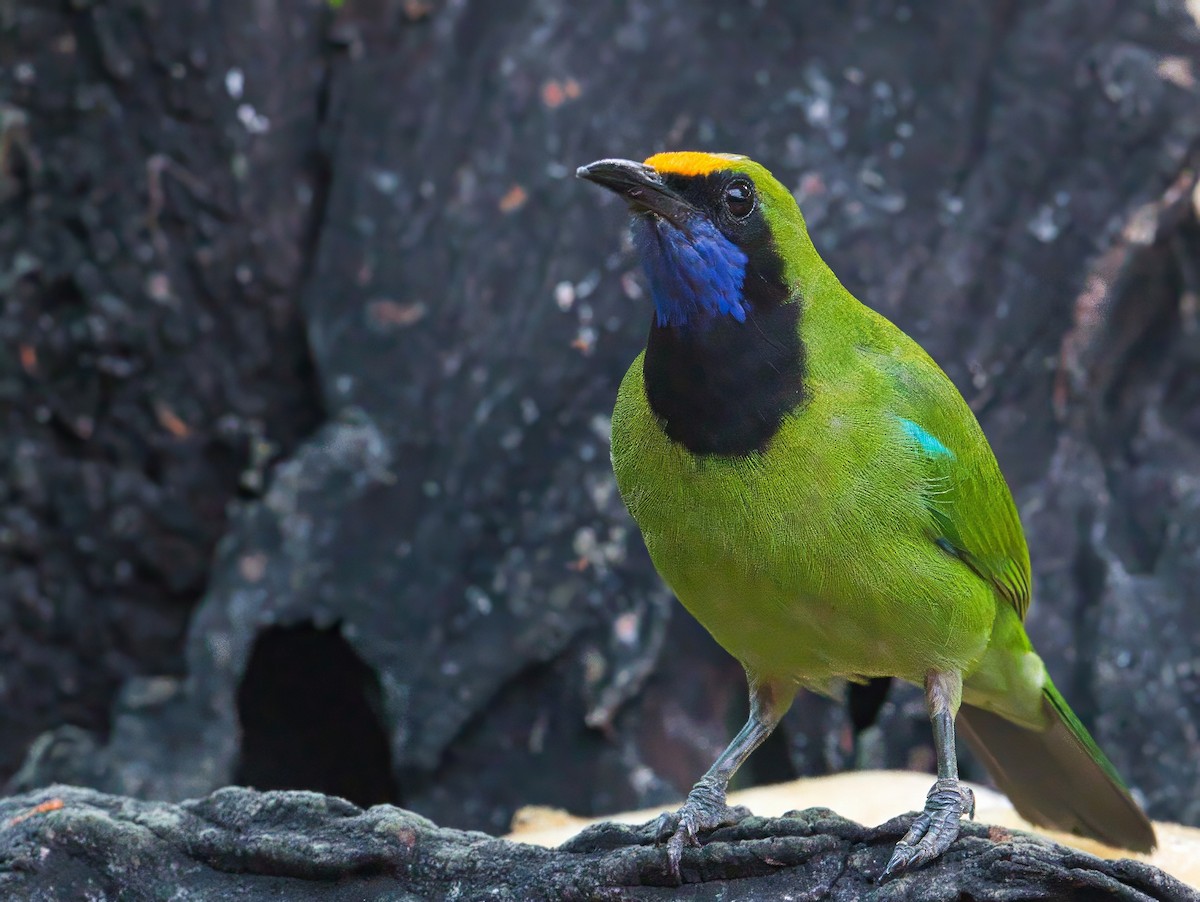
(872,535)
(818,558)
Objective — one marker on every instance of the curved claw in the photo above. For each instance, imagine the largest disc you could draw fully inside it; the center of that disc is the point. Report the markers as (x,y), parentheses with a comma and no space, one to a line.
(664,825)
(935,828)
(704,810)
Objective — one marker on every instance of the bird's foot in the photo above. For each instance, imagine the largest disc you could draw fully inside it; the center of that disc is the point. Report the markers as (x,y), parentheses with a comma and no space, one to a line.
(935,828)
(704,810)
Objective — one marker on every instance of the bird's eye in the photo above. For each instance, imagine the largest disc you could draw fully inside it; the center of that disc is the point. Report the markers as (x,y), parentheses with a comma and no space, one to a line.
(739,198)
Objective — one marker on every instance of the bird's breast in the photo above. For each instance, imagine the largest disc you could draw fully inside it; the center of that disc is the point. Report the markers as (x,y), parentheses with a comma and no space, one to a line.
(802,561)
(723,388)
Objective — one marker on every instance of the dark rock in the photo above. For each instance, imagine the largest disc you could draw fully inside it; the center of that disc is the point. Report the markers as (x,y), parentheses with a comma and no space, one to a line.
(153,348)
(65,843)
(329,272)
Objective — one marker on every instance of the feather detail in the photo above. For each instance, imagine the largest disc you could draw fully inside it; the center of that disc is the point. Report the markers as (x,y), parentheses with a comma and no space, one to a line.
(694,274)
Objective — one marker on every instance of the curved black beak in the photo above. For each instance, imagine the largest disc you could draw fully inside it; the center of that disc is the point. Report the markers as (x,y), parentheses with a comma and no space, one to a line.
(641,185)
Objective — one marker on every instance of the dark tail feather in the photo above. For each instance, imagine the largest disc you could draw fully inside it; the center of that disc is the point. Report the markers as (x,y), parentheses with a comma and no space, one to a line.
(1058,778)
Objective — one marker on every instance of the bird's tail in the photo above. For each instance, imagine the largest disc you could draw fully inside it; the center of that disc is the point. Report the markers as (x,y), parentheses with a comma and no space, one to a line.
(1058,777)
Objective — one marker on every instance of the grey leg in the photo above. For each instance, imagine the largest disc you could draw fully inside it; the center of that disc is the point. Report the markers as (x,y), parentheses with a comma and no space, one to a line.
(705,808)
(937,826)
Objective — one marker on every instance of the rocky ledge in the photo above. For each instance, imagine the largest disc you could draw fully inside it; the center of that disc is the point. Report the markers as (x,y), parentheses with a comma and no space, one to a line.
(66,843)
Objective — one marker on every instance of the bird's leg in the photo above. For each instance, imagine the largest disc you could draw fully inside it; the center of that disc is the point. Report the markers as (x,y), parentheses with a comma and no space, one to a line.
(937,826)
(705,808)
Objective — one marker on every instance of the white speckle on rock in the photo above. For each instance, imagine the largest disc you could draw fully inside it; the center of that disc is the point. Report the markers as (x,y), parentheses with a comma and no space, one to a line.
(564,295)
(385,181)
(220,648)
(871,178)
(642,779)
(602,491)
(585,339)
(479,600)
(254,121)
(235,82)
(818,111)
(629,285)
(584,541)
(588,284)
(952,204)
(511,439)
(627,627)
(1042,226)
(158,287)
(601,426)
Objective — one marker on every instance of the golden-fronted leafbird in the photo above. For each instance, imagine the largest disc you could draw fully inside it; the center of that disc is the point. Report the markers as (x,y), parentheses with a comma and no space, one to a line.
(818,494)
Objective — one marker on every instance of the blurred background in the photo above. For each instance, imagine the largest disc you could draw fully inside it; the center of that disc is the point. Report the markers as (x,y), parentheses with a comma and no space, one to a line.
(309,340)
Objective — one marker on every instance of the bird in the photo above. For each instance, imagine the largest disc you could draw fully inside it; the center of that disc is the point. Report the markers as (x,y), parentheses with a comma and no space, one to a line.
(818,494)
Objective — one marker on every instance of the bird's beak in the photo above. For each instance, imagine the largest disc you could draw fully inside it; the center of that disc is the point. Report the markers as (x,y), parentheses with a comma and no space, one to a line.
(642,186)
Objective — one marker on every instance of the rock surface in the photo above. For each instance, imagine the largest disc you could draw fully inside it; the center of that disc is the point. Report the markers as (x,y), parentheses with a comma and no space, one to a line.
(66,844)
(319,284)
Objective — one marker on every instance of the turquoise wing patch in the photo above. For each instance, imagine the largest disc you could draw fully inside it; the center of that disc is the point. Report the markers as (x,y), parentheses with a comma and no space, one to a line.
(926,441)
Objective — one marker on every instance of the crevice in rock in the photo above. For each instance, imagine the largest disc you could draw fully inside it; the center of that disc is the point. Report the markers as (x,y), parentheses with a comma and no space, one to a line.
(865,700)
(1089,571)
(310,716)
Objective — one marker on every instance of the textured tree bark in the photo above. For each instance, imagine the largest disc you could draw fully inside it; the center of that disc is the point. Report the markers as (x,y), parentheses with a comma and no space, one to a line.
(66,844)
(320,284)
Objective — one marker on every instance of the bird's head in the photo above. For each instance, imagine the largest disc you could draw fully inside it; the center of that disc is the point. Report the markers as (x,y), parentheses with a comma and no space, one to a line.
(718,236)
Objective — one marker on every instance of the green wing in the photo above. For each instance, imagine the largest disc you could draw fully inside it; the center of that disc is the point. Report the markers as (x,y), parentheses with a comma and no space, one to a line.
(972,512)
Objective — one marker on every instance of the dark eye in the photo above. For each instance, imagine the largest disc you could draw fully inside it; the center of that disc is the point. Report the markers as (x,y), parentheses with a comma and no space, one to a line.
(739,198)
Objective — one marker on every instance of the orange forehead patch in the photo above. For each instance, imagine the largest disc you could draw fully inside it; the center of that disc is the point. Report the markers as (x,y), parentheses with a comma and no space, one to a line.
(690,162)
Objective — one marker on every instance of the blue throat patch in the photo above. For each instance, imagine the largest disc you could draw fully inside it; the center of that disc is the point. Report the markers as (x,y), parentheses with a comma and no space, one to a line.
(695,275)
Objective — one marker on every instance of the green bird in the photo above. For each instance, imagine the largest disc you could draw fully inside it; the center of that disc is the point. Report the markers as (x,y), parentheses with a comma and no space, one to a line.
(818,494)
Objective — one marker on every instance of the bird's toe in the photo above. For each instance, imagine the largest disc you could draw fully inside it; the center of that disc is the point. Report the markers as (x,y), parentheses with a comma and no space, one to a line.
(934,829)
(703,812)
